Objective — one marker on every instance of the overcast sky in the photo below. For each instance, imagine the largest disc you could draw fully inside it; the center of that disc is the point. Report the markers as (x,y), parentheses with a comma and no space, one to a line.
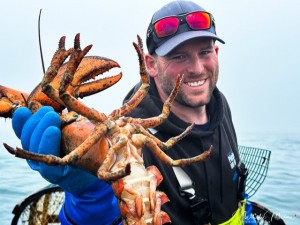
(259,64)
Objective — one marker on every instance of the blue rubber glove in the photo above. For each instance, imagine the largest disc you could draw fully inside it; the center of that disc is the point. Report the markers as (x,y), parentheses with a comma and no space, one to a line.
(87,199)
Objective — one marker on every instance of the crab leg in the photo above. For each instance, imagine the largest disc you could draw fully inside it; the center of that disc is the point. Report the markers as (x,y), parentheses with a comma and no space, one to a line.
(103,172)
(73,64)
(58,59)
(72,157)
(157,120)
(143,90)
(82,109)
(141,140)
(169,143)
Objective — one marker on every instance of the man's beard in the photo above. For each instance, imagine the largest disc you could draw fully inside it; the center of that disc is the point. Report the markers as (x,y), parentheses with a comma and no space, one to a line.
(167,84)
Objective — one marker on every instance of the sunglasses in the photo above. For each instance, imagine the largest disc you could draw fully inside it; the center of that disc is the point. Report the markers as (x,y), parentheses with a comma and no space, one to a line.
(169,25)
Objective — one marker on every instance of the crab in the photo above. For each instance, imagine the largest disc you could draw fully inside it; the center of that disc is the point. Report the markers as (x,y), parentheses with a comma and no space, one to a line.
(111,146)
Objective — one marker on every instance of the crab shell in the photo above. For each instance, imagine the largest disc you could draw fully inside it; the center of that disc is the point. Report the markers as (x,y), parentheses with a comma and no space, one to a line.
(74,134)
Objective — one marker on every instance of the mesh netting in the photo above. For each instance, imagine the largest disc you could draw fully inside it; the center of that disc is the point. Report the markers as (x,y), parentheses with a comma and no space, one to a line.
(41,208)
(257,162)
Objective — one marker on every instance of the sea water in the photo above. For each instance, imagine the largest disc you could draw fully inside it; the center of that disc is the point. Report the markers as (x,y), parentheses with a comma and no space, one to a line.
(279,192)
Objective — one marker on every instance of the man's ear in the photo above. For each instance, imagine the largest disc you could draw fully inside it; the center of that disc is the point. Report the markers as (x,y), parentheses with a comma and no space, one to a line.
(217,49)
(151,65)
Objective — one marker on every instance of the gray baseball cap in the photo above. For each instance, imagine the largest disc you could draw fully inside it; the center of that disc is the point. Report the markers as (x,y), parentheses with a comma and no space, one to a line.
(162,46)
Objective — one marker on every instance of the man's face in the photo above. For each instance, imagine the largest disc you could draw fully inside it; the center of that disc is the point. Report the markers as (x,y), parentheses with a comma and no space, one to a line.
(197,60)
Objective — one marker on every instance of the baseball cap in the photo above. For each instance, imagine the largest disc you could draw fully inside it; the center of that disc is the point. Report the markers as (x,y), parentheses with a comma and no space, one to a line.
(163,45)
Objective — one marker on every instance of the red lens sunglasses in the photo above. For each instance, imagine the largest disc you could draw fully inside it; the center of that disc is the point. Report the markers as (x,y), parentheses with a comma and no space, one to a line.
(169,25)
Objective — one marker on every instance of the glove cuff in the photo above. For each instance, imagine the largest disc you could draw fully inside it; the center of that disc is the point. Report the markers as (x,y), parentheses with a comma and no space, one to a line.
(91,207)
(77,181)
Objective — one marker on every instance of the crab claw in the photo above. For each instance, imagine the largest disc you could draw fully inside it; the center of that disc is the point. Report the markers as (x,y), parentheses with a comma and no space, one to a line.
(76,74)
(10,99)
(89,68)
(58,59)
(79,71)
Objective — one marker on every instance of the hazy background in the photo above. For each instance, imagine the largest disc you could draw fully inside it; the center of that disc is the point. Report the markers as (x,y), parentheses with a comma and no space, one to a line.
(259,64)
(259,70)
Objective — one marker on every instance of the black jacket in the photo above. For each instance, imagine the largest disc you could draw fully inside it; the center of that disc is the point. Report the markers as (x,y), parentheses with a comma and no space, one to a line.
(213,179)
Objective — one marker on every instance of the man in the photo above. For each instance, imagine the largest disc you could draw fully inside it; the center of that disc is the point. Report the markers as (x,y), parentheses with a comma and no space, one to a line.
(180,40)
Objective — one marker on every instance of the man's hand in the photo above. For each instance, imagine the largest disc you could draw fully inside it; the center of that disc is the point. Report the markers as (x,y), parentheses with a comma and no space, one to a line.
(40,133)
(87,199)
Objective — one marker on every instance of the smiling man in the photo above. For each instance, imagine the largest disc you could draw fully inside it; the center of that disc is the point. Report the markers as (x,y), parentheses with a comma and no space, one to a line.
(181,39)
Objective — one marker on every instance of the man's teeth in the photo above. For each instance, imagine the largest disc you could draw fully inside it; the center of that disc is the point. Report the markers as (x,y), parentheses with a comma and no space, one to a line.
(196,83)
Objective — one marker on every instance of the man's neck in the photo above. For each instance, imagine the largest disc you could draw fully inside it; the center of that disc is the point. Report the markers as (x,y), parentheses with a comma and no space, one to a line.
(190,115)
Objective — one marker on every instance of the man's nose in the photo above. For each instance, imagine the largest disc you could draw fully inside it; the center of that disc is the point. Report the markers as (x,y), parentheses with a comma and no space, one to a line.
(195,66)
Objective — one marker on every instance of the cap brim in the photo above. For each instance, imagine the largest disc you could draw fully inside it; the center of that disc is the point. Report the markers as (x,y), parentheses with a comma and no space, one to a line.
(173,42)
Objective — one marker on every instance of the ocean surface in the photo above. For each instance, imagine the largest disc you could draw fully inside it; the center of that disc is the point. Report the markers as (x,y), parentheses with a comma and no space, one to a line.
(280,191)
